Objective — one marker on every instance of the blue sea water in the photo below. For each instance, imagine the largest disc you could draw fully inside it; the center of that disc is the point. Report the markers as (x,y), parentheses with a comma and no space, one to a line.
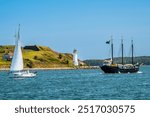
(77,85)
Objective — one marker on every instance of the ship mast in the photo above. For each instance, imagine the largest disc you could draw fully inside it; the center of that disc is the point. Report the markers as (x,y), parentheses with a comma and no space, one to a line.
(122,50)
(112,56)
(132,50)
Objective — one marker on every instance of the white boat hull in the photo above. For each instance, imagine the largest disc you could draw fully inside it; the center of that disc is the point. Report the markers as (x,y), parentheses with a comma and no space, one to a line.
(23,74)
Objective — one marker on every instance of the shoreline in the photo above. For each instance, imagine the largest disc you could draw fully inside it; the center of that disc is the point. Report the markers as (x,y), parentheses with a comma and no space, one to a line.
(57,68)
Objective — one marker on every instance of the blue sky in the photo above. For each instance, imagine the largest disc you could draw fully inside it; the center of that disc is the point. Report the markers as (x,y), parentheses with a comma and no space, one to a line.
(82,24)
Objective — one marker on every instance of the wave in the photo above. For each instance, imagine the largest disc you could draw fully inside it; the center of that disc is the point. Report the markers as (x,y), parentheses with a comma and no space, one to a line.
(139,72)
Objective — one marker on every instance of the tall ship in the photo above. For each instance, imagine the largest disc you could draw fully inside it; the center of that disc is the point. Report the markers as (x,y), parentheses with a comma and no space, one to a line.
(110,67)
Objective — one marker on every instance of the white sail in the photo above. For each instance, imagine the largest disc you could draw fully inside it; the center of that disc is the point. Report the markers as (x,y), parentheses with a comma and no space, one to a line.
(17,61)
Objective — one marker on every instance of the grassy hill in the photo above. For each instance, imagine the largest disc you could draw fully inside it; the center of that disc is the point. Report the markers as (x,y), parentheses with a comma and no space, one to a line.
(43,58)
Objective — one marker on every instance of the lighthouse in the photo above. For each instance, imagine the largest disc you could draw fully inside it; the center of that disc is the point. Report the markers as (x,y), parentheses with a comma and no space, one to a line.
(75,58)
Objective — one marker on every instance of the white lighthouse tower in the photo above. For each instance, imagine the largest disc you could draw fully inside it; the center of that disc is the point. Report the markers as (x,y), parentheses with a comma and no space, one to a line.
(75,58)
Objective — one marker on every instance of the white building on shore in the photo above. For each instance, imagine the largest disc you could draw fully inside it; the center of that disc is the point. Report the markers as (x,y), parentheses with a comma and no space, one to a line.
(75,57)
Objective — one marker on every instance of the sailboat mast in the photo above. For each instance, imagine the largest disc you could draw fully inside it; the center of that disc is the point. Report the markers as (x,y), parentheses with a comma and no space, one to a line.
(122,50)
(112,50)
(132,50)
(18,36)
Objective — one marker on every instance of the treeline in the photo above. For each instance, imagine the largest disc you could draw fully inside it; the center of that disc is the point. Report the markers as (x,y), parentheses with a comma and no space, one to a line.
(127,60)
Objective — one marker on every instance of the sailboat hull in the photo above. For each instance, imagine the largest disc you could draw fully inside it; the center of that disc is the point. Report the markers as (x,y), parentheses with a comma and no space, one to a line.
(109,69)
(23,74)
(116,69)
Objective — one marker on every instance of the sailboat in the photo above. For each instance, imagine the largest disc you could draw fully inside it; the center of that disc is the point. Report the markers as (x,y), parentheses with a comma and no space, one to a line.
(16,68)
(110,67)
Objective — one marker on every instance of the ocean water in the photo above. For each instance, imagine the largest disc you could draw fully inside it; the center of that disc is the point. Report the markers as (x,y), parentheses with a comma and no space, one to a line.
(77,85)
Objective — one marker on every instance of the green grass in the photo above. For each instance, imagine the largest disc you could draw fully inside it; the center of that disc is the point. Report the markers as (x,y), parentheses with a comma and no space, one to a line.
(45,58)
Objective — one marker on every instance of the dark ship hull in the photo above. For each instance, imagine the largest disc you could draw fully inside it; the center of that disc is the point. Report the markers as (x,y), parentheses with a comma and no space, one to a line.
(116,69)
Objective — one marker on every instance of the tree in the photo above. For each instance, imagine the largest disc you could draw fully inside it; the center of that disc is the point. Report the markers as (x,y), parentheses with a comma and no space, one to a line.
(60,56)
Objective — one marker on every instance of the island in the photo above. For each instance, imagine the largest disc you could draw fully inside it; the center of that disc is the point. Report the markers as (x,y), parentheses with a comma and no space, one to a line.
(38,57)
